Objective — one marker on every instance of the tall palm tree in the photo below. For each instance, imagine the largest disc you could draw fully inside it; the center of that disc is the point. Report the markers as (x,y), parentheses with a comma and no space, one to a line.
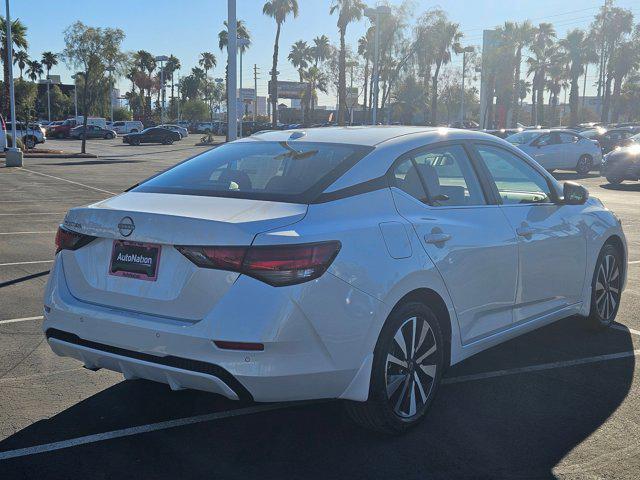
(626,60)
(173,64)
(19,38)
(577,58)
(542,49)
(364,51)
(348,11)
(321,49)
(147,64)
(523,37)
(20,58)
(223,42)
(207,61)
(279,10)
(34,70)
(300,56)
(317,81)
(447,40)
(49,60)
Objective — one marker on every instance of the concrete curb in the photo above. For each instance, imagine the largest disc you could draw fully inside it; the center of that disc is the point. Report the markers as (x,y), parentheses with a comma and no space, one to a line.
(56,155)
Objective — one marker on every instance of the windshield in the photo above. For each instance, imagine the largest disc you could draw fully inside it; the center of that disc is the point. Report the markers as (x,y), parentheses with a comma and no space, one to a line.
(523,138)
(590,133)
(277,171)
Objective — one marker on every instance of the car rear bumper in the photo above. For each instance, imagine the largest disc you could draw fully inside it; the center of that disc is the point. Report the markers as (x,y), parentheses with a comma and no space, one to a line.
(298,361)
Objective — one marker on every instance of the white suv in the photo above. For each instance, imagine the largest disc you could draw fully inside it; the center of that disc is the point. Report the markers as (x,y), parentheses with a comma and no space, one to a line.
(128,126)
(31,134)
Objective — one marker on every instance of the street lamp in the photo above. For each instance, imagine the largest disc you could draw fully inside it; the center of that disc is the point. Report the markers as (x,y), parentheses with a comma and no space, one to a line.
(241,43)
(14,154)
(162,59)
(374,15)
(463,50)
(110,69)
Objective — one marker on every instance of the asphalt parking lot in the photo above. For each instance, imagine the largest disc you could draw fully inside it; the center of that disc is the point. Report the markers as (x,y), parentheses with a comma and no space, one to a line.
(560,402)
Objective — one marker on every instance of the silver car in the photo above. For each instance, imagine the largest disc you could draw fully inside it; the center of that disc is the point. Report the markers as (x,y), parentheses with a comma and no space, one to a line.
(176,128)
(559,149)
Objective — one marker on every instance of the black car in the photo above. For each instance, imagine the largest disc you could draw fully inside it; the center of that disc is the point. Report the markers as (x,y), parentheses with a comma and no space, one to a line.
(610,139)
(152,135)
(622,163)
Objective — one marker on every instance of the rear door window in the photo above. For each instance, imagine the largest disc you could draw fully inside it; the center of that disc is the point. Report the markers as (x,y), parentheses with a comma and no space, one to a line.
(277,171)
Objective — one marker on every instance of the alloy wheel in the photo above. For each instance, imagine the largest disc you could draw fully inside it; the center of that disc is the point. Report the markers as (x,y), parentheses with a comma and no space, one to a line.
(607,287)
(410,369)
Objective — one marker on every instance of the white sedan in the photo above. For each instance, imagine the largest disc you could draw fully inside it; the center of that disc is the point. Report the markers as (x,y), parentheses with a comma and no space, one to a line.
(345,263)
(559,149)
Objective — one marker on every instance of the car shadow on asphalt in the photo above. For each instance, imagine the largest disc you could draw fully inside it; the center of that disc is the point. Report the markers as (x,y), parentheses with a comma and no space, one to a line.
(508,426)
(95,162)
(562,176)
(622,187)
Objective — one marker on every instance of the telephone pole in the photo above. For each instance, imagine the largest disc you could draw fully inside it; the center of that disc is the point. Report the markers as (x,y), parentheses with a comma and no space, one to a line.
(255,91)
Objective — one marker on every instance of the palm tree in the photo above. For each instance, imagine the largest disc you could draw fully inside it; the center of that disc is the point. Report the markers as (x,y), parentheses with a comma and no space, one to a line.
(147,64)
(19,38)
(523,90)
(363,50)
(49,60)
(34,70)
(577,58)
(173,64)
(223,42)
(300,56)
(317,81)
(279,10)
(447,39)
(523,36)
(20,58)
(626,60)
(321,49)
(207,61)
(542,49)
(348,11)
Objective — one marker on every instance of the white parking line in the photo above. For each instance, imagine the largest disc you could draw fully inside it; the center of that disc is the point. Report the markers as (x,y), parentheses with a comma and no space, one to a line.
(18,320)
(126,432)
(69,181)
(541,367)
(624,328)
(24,263)
(24,214)
(27,233)
(634,262)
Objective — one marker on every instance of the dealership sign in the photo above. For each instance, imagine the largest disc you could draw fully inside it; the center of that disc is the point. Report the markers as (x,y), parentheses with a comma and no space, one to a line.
(290,89)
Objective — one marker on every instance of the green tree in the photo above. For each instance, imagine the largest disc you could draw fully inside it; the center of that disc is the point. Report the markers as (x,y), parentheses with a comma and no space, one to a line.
(447,38)
(321,49)
(49,60)
(542,48)
(146,64)
(85,50)
(21,58)
(34,70)
(279,10)
(19,38)
(348,11)
(121,114)
(577,57)
(195,110)
(300,56)
(25,95)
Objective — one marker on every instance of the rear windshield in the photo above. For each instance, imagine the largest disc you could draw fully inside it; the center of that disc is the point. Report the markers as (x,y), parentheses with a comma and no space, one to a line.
(523,138)
(294,172)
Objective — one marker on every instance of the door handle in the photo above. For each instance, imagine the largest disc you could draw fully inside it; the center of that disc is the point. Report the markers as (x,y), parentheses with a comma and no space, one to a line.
(525,231)
(437,237)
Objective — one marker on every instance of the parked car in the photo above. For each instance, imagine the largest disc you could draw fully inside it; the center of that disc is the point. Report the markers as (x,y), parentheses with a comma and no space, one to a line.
(194,279)
(176,128)
(610,139)
(31,135)
(622,163)
(559,149)
(127,126)
(504,132)
(152,135)
(3,133)
(93,131)
(63,130)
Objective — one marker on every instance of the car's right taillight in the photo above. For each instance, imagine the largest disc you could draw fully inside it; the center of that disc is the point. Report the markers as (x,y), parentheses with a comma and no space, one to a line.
(277,265)
(68,240)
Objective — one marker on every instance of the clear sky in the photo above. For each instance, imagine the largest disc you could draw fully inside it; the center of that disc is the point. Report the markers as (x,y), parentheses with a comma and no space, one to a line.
(185,28)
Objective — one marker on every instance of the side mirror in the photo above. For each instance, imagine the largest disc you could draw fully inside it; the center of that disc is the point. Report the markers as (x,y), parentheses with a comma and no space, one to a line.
(574,194)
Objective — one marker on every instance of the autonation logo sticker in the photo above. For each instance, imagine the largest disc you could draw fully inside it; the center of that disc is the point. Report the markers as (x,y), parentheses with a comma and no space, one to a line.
(133,258)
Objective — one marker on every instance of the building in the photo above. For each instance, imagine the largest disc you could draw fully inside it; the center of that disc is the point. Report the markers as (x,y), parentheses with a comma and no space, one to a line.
(247,97)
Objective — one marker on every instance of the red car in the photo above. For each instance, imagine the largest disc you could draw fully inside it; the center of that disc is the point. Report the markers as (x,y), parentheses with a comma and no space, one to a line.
(63,130)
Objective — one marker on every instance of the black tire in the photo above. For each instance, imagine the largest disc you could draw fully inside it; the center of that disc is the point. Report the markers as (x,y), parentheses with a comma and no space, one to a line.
(378,413)
(30,142)
(605,287)
(584,165)
(167,141)
(109,136)
(614,180)
(135,142)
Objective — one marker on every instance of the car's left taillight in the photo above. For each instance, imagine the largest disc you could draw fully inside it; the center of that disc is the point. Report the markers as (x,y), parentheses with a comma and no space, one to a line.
(277,265)
(68,240)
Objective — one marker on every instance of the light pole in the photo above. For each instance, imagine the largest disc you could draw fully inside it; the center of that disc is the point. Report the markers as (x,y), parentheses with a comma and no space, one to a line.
(162,59)
(232,52)
(463,50)
(14,154)
(241,43)
(374,15)
(110,69)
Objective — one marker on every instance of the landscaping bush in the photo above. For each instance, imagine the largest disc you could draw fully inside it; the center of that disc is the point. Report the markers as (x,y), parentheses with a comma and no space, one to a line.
(10,142)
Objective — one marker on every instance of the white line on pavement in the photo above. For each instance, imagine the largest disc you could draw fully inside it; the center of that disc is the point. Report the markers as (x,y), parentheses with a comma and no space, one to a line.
(624,328)
(25,263)
(68,181)
(18,320)
(634,262)
(23,214)
(541,367)
(27,233)
(126,432)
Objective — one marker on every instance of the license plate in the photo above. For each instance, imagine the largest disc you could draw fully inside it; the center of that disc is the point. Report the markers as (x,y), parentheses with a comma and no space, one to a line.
(135,260)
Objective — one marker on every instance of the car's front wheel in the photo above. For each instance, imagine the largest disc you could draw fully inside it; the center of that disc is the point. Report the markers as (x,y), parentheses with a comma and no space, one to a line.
(407,366)
(605,287)
(109,136)
(584,165)
(614,180)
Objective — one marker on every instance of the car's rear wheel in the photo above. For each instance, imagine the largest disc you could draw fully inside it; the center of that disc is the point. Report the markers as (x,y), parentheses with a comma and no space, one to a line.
(605,287)
(30,142)
(135,141)
(584,165)
(614,180)
(407,366)
(167,141)
(109,136)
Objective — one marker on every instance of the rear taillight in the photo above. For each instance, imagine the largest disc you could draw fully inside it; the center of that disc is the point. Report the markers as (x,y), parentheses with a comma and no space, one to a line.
(68,240)
(277,265)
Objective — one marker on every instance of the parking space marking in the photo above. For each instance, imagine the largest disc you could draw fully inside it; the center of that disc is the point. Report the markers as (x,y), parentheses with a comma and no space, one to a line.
(624,328)
(23,214)
(541,367)
(150,427)
(27,233)
(69,181)
(24,263)
(18,320)
(634,262)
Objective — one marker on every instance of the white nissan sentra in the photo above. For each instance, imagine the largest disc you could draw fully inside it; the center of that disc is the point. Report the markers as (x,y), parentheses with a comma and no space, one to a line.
(342,263)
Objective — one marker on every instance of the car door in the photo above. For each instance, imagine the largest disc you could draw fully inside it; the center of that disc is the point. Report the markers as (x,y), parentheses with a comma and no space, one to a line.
(551,238)
(467,237)
(150,136)
(547,151)
(573,148)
